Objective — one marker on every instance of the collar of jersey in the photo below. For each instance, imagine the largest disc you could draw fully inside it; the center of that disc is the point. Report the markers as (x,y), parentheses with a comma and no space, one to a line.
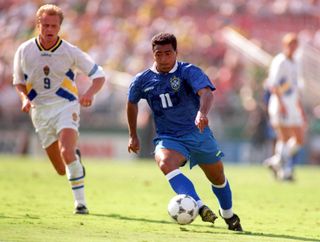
(52,49)
(154,68)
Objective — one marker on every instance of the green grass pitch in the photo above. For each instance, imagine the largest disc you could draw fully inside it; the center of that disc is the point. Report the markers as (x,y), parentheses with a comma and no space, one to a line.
(128,202)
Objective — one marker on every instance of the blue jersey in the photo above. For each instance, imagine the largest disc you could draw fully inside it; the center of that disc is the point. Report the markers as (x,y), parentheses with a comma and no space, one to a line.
(172,96)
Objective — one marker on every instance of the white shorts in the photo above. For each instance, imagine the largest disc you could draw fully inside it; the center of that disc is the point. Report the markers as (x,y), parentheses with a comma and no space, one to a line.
(49,120)
(293,118)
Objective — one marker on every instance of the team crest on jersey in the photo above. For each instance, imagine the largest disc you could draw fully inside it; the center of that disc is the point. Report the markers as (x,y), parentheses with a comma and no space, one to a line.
(74,116)
(175,83)
(46,70)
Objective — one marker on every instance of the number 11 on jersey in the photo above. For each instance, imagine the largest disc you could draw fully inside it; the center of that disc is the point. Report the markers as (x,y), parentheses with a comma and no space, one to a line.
(165,100)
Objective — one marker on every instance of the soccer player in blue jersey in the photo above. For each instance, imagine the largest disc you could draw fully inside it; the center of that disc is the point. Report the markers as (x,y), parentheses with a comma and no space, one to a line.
(180,97)
(44,78)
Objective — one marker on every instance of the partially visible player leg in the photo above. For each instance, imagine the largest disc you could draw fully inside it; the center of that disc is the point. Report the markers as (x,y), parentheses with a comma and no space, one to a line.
(283,133)
(78,153)
(279,159)
(294,145)
(54,155)
(274,162)
(221,189)
(75,172)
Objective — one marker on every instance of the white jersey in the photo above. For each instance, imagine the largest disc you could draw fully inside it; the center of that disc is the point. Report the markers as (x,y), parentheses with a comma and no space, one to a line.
(49,75)
(283,75)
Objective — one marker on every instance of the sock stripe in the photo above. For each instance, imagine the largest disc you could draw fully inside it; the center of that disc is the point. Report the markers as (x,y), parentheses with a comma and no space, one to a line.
(75,188)
(222,185)
(172,174)
(77,183)
(77,178)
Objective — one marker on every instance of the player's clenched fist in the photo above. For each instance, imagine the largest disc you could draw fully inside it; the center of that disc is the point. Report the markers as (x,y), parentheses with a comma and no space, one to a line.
(201,121)
(133,145)
(26,105)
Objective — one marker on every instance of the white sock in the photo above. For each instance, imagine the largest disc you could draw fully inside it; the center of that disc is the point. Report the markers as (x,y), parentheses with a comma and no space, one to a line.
(226,213)
(76,178)
(280,150)
(200,203)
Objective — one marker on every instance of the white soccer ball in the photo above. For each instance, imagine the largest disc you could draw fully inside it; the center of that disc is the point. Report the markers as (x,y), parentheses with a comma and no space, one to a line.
(183,209)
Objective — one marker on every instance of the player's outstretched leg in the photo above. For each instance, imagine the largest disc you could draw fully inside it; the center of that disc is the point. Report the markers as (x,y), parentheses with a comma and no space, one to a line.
(224,195)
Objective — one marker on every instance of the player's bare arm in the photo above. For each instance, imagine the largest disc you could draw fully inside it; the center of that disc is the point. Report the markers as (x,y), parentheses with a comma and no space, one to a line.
(279,94)
(86,99)
(206,100)
(132,114)
(25,102)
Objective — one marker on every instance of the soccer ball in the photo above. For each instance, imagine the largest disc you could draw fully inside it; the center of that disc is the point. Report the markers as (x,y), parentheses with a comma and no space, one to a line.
(183,209)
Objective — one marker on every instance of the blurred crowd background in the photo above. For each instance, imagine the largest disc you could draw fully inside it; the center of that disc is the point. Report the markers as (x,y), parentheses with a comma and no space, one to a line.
(117,34)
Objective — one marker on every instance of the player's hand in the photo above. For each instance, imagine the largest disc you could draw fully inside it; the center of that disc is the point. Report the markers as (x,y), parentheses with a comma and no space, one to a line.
(201,121)
(134,144)
(26,105)
(86,100)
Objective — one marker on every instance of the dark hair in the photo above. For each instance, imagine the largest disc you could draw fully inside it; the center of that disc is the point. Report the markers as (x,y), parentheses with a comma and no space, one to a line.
(164,39)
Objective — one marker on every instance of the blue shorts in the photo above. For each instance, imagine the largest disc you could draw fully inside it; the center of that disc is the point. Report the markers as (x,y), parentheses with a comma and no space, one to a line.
(197,147)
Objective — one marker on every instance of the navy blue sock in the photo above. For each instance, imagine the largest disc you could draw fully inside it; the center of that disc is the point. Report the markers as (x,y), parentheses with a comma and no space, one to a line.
(181,184)
(297,157)
(288,166)
(291,162)
(223,194)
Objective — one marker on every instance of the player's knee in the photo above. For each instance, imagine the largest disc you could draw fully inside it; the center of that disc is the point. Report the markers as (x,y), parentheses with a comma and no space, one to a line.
(218,179)
(163,166)
(166,166)
(67,154)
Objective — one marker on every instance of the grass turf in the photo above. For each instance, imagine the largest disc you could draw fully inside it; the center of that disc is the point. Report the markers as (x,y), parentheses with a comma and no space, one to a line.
(128,200)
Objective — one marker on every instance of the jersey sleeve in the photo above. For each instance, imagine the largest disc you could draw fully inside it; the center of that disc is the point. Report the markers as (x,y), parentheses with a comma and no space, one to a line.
(197,79)
(134,93)
(18,77)
(85,63)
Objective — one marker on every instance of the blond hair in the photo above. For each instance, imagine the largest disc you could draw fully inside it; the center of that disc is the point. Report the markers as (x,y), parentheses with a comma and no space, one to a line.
(289,38)
(49,9)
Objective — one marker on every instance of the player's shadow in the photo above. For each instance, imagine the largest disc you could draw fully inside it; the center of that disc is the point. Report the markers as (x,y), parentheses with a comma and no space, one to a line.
(213,229)
(249,233)
(118,216)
